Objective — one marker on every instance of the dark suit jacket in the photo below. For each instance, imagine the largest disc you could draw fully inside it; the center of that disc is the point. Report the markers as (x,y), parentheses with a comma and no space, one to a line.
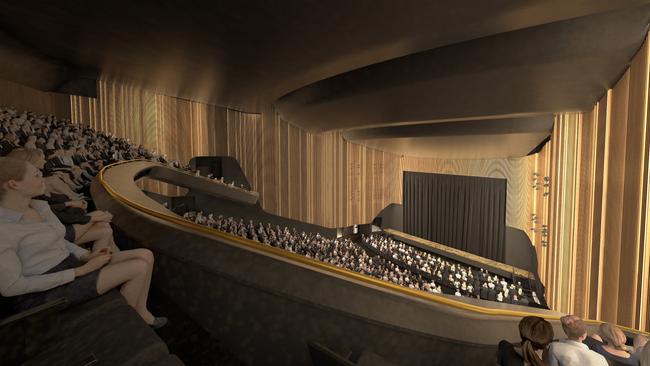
(507,356)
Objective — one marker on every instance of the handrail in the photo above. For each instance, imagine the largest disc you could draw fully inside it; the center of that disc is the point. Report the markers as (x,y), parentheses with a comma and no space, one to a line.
(293,257)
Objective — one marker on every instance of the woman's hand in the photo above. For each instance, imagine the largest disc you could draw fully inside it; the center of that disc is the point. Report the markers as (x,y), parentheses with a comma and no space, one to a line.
(78,204)
(100,216)
(92,265)
(96,253)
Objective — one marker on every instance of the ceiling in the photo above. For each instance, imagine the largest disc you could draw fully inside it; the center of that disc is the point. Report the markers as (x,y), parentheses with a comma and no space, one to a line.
(337,64)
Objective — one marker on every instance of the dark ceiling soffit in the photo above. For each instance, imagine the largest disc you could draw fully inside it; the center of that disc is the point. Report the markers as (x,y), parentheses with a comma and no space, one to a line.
(457,128)
(26,66)
(539,147)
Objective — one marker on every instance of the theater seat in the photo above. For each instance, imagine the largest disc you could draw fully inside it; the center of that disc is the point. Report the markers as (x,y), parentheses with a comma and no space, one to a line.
(171,360)
(102,331)
(323,356)
(372,359)
(106,329)
(22,335)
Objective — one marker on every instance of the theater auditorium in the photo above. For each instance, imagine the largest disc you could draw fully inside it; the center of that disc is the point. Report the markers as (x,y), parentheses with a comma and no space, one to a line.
(331,183)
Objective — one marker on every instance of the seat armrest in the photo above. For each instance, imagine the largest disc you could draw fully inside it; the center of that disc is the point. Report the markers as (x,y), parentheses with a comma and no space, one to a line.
(49,307)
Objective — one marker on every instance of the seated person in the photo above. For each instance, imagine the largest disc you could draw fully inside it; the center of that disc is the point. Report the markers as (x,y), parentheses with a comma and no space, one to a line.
(571,351)
(80,227)
(38,265)
(610,342)
(536,334)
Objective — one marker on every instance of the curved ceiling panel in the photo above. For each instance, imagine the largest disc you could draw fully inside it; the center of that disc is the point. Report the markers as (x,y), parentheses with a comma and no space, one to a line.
(247,54)
(554,67)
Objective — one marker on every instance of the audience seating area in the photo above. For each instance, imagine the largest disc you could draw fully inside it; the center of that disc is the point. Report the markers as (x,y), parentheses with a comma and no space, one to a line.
(107,331)
(378,256)
(102,331)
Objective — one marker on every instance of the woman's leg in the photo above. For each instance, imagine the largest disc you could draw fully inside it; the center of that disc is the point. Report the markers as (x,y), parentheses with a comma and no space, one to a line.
(80,230)
(132,275)
(140,254)
(101,234)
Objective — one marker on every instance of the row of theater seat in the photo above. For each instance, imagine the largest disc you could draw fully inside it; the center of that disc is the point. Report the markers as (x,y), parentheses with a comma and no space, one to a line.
(379,256)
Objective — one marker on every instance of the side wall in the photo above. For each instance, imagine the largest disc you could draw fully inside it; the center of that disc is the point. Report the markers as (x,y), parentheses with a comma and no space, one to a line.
(596,260)
(25,98)
(318,178)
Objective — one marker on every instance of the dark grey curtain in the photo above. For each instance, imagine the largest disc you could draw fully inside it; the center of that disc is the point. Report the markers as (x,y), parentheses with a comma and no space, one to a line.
(467,213)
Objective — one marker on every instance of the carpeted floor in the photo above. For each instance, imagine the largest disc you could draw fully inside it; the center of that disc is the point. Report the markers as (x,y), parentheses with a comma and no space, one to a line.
(186,339)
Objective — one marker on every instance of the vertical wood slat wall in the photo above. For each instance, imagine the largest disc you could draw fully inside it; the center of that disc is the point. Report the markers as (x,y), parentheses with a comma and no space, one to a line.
(596,261)
(24,98)
(318,178)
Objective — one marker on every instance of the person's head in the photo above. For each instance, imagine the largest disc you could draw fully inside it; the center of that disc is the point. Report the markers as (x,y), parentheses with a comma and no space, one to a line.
(640,341)
(574,327)
(32,156)
(17,177)
(612,336)
(536,333)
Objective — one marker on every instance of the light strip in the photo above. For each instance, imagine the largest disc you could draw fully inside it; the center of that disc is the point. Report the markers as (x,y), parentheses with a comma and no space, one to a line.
(608,126)
(592,197)
(643,303)
(576,210)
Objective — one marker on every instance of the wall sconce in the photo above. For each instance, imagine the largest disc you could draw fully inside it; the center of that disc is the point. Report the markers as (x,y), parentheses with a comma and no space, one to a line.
(547,185)
(535,184)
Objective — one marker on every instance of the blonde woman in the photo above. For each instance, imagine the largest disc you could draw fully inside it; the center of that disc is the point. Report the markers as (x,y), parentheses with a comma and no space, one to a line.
(38,265)
(93,227)
(612,345)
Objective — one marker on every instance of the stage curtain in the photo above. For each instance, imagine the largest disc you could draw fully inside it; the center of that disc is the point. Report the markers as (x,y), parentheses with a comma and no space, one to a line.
(463,212)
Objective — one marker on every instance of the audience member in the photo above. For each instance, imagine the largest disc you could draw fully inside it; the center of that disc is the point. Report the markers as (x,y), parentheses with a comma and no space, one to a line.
(81,227)
(571,351)
(536,334)
(38,265)
(610,342)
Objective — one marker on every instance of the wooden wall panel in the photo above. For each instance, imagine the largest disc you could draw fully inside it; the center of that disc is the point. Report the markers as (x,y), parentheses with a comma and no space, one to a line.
(612,223)
(635,155)
(596,262)
(600,142)
(24,98)
(315,178)
(582,240)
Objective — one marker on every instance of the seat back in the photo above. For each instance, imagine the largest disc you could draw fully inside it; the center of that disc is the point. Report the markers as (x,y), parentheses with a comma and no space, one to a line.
(323,356)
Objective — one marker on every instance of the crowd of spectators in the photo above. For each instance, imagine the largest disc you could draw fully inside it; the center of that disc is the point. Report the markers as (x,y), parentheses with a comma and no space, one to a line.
(340,252)
(376,255)
(54,243)
(452,276)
